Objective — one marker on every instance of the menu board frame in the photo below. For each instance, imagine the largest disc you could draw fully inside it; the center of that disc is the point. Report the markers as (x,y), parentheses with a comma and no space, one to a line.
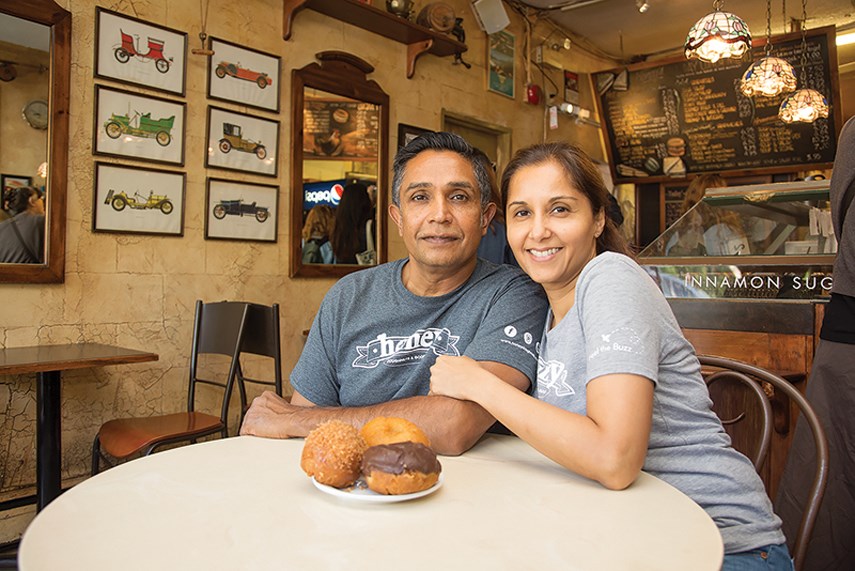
(675,75)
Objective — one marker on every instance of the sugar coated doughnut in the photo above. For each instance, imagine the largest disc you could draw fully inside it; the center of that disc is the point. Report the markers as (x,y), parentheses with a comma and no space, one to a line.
(390,429)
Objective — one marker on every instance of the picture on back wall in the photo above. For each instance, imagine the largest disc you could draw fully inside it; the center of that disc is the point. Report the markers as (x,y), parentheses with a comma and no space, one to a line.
(242,142)
(138,201)
(242,75)
(134,51)
(241,211)
(137,126)
(501,58)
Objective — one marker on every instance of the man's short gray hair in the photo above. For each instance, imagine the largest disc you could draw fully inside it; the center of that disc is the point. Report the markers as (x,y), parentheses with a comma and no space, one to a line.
(441,142)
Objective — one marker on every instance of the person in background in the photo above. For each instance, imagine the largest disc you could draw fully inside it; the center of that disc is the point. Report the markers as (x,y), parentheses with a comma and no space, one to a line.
(22,236)
(619,389)
(494,245)
(379,330)
(831,392)
(316,232)
(351,217)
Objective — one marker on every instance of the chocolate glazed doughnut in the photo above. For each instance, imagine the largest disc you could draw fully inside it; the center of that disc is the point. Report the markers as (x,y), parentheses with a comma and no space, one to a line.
(400,468)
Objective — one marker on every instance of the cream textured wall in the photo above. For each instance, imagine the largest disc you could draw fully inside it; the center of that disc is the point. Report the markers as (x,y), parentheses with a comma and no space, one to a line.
(139,291)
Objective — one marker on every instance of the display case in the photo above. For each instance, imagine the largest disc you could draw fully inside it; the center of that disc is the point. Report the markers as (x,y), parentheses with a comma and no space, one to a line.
(747,272)
(767,241)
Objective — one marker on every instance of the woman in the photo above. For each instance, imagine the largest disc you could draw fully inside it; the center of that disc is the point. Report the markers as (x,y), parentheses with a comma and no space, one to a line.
(351,217)
(316,234)
(619,388)
(22,236)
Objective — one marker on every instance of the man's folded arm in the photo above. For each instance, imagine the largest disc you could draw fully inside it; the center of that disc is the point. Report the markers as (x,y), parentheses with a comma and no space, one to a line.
(453,426)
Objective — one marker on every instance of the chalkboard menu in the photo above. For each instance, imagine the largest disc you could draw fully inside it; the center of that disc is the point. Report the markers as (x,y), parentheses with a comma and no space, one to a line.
(341,129)
(675,118)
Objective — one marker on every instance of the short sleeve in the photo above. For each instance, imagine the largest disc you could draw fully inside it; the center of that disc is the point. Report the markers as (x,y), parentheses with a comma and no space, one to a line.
(512,326)
(617,308)
(314,376)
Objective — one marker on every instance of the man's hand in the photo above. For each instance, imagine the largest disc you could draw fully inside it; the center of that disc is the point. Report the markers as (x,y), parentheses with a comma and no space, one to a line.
(268,416)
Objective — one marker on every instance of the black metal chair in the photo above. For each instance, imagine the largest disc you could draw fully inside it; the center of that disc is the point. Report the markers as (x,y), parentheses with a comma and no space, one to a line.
(261,337)
(219,329)
(750,421)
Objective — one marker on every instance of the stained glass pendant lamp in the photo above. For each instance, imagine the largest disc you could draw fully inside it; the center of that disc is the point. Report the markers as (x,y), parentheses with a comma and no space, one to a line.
(805,105)
(718,35)
(768,76)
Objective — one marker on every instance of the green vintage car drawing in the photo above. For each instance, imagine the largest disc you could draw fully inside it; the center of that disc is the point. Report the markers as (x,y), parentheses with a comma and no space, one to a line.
(140,125)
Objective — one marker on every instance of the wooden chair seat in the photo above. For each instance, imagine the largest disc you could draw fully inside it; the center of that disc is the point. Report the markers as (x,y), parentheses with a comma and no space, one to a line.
(126,436)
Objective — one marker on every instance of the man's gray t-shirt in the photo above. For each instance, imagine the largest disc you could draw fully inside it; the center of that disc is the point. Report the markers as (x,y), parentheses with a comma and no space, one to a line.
(374,341)
(621,323)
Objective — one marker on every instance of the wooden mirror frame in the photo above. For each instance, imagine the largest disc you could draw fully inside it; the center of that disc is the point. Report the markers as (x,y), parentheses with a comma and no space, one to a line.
(47,12)
(342,74)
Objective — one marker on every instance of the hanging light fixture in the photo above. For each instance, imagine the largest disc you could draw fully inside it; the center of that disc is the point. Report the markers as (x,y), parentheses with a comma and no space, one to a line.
(718,35)
(768,76)
(805,105)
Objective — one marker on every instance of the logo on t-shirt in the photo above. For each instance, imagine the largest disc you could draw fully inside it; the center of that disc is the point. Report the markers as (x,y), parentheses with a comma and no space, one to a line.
(621,340)
(552,379)
(400,351)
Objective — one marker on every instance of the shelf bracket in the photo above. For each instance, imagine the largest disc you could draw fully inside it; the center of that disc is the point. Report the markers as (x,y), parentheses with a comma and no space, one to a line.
(414,51)
(289,10)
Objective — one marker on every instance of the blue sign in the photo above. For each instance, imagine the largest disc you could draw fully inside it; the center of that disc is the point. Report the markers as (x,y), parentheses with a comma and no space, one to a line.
(325,192)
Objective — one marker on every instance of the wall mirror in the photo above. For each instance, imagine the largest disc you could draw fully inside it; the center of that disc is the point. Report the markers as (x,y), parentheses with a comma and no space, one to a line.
(35,66)
(339,164)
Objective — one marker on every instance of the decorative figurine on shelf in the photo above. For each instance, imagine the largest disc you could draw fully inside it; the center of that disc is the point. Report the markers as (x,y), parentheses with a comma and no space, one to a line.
(458,32)
(401,8)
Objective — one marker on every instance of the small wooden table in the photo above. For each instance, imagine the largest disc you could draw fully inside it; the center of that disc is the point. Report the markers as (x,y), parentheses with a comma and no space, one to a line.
(48,362)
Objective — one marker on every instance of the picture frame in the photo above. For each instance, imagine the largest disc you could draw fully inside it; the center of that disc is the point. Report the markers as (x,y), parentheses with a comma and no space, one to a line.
(243,75)
(158,64)
(12,181)
(241,142)
(138,126)
(236,210)
(501,63)
(135,200)
(407,133)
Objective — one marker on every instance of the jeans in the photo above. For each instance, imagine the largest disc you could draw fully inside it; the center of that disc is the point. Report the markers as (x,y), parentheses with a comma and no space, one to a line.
(770,557)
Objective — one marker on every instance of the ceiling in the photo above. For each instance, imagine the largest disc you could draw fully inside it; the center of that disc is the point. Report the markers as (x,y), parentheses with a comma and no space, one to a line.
(616,28)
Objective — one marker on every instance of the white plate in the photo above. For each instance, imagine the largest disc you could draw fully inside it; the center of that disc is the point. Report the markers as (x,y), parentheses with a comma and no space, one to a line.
(362,494)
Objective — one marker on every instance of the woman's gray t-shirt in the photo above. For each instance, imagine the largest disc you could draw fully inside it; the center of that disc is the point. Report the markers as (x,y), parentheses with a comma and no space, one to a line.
(621,323)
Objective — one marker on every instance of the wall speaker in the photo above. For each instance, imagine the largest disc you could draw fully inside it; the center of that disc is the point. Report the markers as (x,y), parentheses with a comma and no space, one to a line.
(491,15)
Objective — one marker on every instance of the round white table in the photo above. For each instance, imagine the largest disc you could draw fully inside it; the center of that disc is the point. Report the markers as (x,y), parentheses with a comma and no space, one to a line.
(244,503)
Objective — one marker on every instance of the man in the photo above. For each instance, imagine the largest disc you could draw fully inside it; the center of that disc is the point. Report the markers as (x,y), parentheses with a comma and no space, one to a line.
(378,331)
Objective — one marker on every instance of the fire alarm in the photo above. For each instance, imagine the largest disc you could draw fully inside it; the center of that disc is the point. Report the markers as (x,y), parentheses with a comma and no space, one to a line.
(533,94)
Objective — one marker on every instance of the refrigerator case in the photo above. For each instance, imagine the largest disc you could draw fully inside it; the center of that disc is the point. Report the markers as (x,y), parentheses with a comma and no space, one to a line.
(764,241)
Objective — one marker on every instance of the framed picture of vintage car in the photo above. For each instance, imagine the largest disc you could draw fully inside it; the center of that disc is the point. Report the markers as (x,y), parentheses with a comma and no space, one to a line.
(138,126)
(501,57)
(241,142)
(241,211)
(242,75)
(134,51)
(132,200)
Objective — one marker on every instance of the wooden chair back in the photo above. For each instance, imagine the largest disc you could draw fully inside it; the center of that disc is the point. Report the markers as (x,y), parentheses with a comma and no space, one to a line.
(756,418)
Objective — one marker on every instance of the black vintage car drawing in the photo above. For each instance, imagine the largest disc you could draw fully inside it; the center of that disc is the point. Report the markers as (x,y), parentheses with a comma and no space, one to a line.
(240,208)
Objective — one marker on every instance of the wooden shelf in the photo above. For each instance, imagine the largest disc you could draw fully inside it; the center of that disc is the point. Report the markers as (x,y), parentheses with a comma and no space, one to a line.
(418,39)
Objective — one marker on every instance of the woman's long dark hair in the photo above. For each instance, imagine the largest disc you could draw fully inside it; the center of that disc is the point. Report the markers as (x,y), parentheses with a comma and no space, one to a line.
(583,175)
(348,230)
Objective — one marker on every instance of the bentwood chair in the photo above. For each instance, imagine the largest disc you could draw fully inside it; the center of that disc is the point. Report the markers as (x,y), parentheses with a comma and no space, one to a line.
(744,397)
(218,330)
(261,337)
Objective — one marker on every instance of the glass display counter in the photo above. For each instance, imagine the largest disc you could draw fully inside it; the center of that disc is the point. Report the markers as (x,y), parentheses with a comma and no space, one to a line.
(747,272)
(767,241)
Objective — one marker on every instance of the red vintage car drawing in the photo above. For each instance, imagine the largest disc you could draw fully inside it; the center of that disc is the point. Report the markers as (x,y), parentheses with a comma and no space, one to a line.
(225,68)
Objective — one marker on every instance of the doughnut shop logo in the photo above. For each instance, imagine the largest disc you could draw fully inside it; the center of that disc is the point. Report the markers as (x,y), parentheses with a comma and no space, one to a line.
(400,351)
(552,378)
(331,195)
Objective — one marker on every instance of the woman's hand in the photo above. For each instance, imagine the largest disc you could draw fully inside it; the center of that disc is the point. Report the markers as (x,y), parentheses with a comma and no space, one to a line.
(456,377)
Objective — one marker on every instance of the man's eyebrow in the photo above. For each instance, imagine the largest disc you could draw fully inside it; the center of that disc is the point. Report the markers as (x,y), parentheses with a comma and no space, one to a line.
(418,186)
